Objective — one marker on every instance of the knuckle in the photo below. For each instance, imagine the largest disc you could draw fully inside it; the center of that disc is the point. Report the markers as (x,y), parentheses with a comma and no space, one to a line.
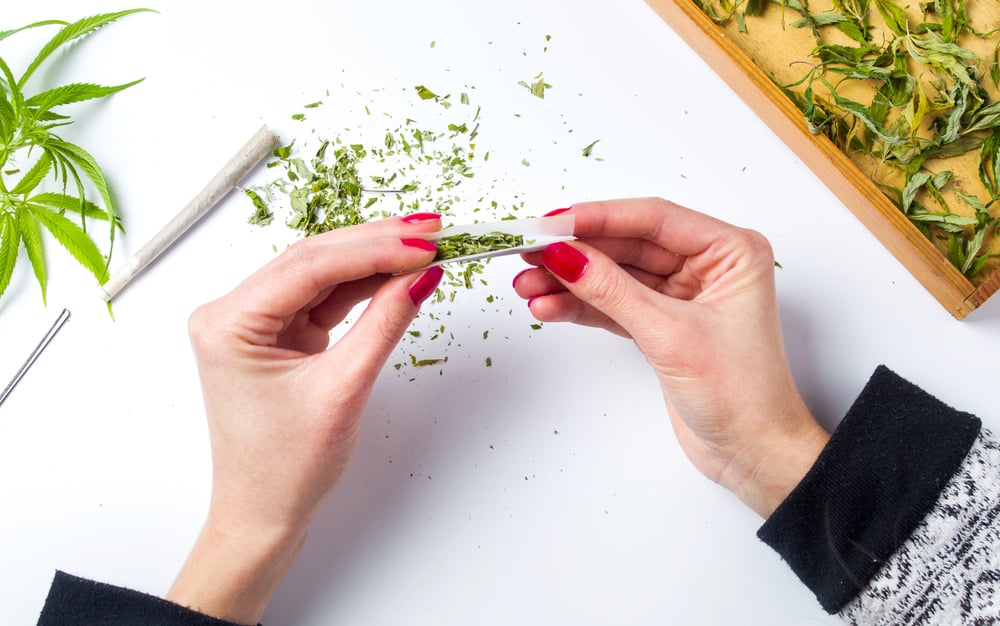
(661,203)
(386,322)
(300,261)
(758,245)
(298,256)
(608,290)
(299,247)
(387,329)
(203,328)
(199,323)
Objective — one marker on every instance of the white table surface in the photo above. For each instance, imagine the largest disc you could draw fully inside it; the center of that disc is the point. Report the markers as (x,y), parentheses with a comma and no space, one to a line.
(546,489)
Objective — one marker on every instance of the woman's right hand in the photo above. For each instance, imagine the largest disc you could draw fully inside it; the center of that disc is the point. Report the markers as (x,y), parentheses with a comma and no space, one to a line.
(284,406)
(697,296)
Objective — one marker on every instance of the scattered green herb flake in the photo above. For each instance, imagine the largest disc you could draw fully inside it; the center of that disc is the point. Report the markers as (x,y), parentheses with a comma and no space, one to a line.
(262,215)
(415,362)
(425,93)
(489,362)
(283,152)
(590,147)
(536,326)
(313,105)
(299,117)
(537,86)
(525,163)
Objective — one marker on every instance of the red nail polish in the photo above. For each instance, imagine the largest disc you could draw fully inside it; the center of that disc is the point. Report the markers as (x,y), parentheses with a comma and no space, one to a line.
(422,244)
(426,284)
(420,217)
(565,261)
(557,212)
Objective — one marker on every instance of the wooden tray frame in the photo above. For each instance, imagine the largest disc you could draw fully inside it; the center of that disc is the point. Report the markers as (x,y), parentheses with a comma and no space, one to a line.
(927,264)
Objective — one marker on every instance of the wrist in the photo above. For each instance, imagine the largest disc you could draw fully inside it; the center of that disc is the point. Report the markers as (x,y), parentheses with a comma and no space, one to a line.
(765,473)
(232,571)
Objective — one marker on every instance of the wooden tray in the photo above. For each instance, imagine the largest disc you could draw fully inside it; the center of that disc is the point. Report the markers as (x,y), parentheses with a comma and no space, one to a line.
(926,262)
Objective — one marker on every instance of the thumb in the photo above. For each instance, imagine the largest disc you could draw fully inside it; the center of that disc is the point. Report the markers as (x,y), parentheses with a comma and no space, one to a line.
(372,338)
(600,282)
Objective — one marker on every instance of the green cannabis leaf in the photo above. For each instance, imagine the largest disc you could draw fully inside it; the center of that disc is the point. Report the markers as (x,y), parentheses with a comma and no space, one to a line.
(31,153)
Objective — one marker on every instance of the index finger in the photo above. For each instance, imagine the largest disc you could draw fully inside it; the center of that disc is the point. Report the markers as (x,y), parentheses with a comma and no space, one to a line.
(674,227)
(294,279)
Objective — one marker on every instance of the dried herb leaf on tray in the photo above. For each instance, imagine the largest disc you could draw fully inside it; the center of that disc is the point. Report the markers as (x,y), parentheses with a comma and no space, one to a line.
(910,91)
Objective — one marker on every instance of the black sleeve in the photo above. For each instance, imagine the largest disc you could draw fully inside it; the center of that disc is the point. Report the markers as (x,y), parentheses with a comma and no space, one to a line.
(77,601)
(879,475)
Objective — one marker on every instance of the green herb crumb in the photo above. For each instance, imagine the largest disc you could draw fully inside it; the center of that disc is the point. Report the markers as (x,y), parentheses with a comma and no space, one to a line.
(464,244)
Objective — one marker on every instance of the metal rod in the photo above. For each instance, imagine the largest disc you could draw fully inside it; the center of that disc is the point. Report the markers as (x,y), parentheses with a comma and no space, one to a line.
(34,355)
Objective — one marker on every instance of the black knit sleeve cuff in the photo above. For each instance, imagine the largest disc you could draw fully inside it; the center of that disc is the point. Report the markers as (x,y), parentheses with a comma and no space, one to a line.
(875,480)
(74,600)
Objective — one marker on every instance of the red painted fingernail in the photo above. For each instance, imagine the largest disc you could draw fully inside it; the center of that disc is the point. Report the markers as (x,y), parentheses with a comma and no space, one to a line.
(422,244)
(557,212)
(420,217)
(426,284)
(565,261)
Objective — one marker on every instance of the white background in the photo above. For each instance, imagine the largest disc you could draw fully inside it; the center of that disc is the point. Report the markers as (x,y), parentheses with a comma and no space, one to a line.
(546,489)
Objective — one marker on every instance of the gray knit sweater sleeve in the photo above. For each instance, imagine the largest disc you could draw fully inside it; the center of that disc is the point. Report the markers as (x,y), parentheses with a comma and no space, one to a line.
(948,570)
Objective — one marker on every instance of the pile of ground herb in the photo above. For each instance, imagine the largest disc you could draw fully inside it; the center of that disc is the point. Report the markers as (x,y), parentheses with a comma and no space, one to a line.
(465,244)
(383,167)
(326,188)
